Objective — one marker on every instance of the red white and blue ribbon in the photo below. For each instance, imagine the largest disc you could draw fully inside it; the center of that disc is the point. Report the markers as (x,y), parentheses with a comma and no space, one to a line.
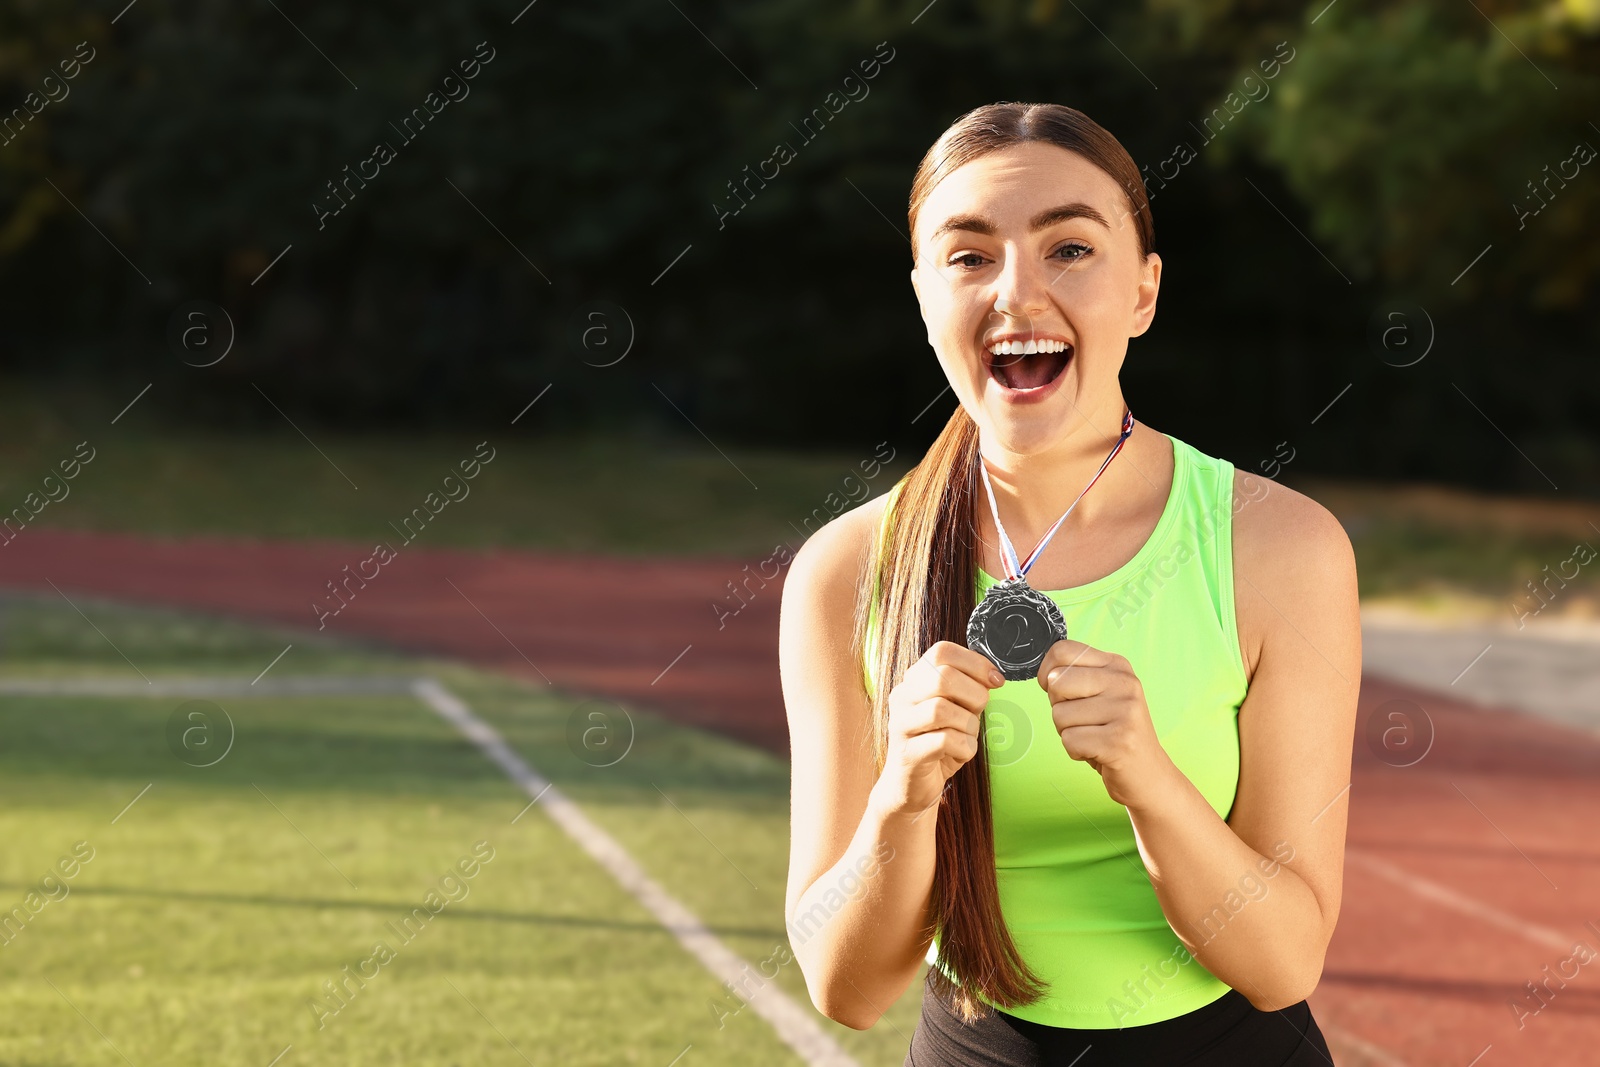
(1008,555)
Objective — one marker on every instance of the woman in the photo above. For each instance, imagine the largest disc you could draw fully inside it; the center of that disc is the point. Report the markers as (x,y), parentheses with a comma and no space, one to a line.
(1138,858)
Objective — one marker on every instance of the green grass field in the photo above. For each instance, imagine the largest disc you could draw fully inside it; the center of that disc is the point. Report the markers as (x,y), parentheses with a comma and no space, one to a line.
(216,906)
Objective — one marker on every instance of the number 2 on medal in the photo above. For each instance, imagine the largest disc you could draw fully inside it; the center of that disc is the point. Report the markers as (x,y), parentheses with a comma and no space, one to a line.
(1020,637)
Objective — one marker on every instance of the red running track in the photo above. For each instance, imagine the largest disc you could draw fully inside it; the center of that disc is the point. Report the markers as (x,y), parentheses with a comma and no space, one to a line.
(1469,874)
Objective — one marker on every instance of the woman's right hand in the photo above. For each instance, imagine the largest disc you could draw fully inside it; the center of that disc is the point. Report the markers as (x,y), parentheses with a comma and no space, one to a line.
(933,723)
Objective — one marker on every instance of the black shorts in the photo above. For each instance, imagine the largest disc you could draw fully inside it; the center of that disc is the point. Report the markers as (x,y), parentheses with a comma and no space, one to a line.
(1228,1032)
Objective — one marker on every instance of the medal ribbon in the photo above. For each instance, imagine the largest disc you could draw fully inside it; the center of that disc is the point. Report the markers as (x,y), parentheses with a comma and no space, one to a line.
(1008,555)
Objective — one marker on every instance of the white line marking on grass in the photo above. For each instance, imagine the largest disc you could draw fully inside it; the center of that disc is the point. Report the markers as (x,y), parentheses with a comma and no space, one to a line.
(280,1055)
(793,1024)
(1539,935)
(524,811)
(331,685)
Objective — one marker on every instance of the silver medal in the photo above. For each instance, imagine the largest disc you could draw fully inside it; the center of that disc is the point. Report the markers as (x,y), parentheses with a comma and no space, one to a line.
(1014,626)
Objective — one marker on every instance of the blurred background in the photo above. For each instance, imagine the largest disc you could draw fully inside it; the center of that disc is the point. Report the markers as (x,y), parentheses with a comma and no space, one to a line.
(407,417)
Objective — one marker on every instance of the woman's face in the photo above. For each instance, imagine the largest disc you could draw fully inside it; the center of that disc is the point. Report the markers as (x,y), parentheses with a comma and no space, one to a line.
(1030,281)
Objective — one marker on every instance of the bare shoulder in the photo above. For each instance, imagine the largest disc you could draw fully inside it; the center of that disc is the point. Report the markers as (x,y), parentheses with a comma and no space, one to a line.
(1274,525)
(817,663)
(824,694)
(1294,566)
(832,558)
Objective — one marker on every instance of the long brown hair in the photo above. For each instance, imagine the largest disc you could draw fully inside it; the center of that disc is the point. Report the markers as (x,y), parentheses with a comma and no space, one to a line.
(925,578)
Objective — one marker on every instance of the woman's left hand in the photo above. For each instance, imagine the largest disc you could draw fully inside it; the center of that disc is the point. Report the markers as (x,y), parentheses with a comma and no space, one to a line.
(1098,707)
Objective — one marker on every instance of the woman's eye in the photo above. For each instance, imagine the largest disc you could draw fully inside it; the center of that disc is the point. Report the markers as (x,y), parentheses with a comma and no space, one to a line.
(967,259)
(1080,250)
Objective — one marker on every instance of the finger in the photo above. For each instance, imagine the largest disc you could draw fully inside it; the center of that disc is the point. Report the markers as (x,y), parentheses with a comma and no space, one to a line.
(928,679)
(941,713)
(941,744)
(974,664)
(953,683)
(1085,743)
(1075,682)
(1082,712)
(1069,653)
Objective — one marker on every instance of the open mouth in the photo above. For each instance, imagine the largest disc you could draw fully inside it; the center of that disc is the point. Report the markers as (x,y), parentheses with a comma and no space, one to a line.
(1023,366)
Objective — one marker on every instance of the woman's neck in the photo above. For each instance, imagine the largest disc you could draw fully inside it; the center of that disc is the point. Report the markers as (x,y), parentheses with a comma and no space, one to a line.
(1032,490)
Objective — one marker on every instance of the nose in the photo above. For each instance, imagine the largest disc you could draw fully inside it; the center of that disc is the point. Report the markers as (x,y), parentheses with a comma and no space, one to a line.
(1021,289)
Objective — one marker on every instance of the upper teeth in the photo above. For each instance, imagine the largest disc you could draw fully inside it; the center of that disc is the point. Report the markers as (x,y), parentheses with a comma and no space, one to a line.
(1027,348)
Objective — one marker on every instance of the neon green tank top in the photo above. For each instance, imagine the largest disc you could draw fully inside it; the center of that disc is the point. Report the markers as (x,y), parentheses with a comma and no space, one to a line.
(1073,889)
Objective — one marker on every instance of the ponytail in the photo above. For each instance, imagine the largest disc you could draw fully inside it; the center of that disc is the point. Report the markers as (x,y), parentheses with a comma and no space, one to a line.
(924,579)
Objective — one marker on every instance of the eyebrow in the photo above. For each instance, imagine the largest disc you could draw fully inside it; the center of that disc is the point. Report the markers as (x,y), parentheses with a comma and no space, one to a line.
(1048,217)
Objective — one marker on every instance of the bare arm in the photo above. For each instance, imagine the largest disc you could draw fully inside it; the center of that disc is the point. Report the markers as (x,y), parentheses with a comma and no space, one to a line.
(861,855)
(1255,899)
